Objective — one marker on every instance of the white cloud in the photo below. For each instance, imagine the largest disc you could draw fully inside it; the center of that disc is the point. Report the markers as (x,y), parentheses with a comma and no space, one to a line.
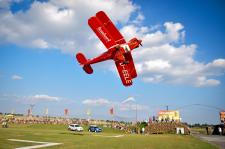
(202,81)
(153,79)
(59,24)
(157,65)
(215,68)
(140,17)
(219,63)
(43,97)
(16,77)
(8,97)
(33,99)
(126,105)
(129,99)
(96,102)
(40,43)
(132,106)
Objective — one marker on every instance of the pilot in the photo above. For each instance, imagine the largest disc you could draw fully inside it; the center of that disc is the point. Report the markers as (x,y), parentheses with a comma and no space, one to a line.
(120,54)
(122,50)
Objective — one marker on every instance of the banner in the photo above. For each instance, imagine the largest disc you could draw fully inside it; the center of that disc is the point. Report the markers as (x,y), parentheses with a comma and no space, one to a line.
(28,112)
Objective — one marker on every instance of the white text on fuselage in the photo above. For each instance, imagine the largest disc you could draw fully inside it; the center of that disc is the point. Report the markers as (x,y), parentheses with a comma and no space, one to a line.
(101,32)
(126,74)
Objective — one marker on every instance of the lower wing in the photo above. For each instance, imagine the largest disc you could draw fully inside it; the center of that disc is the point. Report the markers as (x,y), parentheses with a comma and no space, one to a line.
(124,72)
(131,66)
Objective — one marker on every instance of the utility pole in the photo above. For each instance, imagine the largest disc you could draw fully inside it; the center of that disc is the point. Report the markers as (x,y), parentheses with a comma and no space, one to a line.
(31,109)
(136,120)
(167,108)
(136,113)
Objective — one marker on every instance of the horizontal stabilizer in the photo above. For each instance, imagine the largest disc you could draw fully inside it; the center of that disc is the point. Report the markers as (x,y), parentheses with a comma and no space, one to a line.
(88,69)
(82,60)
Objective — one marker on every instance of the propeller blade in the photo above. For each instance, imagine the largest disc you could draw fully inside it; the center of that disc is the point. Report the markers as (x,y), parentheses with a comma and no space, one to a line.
(140,41)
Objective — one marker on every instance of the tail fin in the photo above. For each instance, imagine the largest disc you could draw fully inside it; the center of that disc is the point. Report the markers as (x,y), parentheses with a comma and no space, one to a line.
(82,60)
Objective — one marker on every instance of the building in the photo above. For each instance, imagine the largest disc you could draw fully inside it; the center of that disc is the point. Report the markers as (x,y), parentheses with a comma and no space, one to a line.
(222,116)
(169,115)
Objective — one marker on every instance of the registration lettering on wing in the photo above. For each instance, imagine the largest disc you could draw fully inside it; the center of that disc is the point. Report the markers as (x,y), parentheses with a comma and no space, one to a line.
(125,73)
(104,35)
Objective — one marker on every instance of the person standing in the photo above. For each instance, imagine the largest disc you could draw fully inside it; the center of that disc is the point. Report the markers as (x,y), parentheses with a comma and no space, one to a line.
(207,130)
(4,123)
(143,130)
(220,130)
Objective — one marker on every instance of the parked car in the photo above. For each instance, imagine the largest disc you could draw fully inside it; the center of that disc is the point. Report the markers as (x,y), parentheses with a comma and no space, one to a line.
(94,128)
(75,127)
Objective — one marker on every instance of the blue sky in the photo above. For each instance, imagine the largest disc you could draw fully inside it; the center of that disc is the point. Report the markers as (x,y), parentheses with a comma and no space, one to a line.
(182,61)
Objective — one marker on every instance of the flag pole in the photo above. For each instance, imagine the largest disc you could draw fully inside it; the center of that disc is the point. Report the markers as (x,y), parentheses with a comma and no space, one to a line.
(111,112)
(113,116)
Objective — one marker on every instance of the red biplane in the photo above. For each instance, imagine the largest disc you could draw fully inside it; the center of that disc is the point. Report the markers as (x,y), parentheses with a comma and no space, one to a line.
(118,49)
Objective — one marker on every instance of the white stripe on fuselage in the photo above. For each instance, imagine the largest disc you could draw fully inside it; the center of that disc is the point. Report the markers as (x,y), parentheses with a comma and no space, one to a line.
(126,47)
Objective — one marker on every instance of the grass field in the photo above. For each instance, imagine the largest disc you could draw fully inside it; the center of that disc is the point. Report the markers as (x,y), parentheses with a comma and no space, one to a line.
(87,140)
(201,130)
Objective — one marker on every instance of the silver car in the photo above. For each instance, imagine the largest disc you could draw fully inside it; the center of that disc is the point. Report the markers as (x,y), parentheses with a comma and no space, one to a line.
(75,127)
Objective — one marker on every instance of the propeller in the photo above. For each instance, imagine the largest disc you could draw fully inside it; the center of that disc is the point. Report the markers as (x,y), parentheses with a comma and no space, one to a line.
(140,42)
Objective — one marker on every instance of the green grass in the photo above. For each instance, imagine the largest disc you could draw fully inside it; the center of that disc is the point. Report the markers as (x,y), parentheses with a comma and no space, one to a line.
(201,130)
(87,140)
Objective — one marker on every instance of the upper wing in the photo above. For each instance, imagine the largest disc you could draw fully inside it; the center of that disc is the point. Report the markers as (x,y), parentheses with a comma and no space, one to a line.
(124,73)
(118,38)
(116,35)
(101,32)
(131,66)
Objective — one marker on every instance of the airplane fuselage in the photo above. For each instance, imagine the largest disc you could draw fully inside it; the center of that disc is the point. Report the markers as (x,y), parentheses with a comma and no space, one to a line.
(116,52)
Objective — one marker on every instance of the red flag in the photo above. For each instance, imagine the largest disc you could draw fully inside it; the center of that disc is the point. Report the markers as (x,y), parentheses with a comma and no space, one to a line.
(66,111)
(111,111)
